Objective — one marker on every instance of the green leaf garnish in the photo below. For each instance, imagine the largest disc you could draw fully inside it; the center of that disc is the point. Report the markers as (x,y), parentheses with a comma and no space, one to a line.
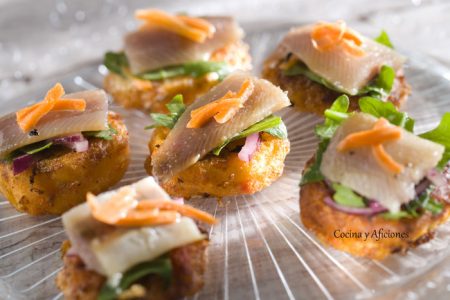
(176,105)
(378,88)
(278,131)
(37,147)
(383,39)
(312,173)
(28,149)
(346,196)
(301,69)
(396,216)
(414,208)
(161,266)
(116,62)
(441,135)
(176,108)
(194,69)
(381,87)
(106,134)
(386,110)
(333,118)
(271,124)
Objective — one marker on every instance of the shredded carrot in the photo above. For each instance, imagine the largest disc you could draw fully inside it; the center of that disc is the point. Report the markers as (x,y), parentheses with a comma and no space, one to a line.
(222,109)
(375,137)
(183,209)
(369,138)
(199,24)
(136,218)
(111,211)
(195,29)
(385,160)
(123,209)
(28,117)
(70,104)
(327,36)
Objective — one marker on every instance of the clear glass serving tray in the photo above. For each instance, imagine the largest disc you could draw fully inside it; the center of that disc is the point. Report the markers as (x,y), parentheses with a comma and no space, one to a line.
(260,249)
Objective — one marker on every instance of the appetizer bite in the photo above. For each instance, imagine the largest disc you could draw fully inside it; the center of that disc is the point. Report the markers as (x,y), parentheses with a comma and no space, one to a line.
(53,152)
(373,187)
(174,54)
(317,63)
(133,243)
(226,143)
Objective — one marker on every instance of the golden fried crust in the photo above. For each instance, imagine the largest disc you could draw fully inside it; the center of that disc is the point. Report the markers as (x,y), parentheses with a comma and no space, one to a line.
(61,180)
(188,263)
(327,223)
(153,95)
(225,175)
(309,96)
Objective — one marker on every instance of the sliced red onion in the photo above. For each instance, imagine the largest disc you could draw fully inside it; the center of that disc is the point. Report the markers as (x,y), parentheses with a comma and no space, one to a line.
(72,252)
(442,184)
(81,146)
(22,163)
(178,200)
(75,142)
(437,178)
(250,146)
(77,137)
(373,208)
(422,186)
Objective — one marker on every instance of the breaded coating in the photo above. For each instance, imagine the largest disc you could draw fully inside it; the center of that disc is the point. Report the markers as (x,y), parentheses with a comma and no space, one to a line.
(309,96)
(153,95)
(328,224)
(188,268)
(225,175)
(62,178)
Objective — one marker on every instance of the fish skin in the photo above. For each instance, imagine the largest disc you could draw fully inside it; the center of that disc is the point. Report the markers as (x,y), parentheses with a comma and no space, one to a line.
(336,65)
(185,146)
(109,250)
(359,170)
(151,48)
(92,119)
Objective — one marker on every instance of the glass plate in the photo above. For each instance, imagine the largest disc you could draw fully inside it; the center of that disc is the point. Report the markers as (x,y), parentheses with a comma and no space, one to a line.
(260,249)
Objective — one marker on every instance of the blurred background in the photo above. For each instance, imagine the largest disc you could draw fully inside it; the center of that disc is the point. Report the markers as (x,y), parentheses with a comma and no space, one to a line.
(48,38)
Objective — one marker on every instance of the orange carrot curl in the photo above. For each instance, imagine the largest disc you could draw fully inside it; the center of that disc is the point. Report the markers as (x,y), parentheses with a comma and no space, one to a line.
(374,138)
(28,117)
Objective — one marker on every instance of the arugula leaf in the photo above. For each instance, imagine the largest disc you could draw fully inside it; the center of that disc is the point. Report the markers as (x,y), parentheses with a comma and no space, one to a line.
(424,201)
(106,134)
(414,208)
(176,108)
(385,79)
(383,39)
(28,149)
(333,117)
(278,131)
(345,196)
(272,125)
(301,69)
(396,216)
(312,173)
(441,135)
(444,160)
(115,62)
(161,266)
(37,147)
(194,69)
(381,87)
(387,110)
(176,105)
